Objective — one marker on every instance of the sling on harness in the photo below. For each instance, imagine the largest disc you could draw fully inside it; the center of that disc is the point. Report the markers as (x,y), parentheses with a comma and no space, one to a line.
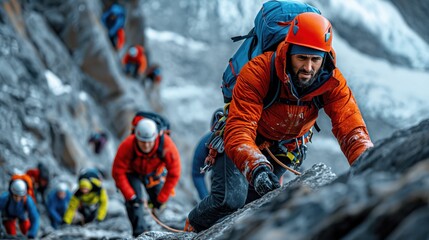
(154,178)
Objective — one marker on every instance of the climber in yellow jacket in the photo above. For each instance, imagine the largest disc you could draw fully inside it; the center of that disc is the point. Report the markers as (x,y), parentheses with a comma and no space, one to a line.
(90,200)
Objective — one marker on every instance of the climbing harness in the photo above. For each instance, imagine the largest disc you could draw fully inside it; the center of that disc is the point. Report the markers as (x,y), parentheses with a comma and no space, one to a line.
(154,178)
(215,145)
(159,222)
(296,157)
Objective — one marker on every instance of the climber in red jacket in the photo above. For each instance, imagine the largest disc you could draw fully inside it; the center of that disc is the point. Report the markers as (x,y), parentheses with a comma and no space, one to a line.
(135,61)
(140,160)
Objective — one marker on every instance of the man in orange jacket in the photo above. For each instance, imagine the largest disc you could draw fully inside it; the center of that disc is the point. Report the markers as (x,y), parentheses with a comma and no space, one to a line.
(135,61)
(138,161)
(305,66)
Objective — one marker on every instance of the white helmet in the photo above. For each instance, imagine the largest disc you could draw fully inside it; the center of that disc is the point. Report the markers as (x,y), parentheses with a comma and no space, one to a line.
(146,130)
(132,51)
(18,187)
(62,187)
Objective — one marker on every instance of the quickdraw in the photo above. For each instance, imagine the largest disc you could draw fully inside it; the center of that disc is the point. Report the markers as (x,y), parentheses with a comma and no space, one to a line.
(215,144)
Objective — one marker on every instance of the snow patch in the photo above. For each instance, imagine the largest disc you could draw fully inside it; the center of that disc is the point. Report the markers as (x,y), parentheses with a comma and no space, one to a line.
(83,96)
(391,92)
(55,84)
(167,36)
(383,20)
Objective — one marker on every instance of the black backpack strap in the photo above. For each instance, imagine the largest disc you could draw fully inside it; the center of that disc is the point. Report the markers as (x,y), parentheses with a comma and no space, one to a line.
(161,122)
(6,207)
(96,188)
(239,38)
(160,149)
(252,44)
(316,126)
(318,102)
(275,85)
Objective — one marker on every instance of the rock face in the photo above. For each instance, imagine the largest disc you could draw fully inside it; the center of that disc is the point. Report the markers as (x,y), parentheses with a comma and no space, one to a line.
(383,196)
(414,12)
(57,67)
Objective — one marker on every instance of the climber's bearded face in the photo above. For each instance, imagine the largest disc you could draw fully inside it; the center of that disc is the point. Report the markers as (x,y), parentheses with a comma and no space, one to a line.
(304,69)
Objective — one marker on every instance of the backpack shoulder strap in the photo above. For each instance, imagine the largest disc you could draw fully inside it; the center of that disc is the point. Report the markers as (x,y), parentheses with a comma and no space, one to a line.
(96,188)
(160,149)
(6,207)
(274,89)
(318,102)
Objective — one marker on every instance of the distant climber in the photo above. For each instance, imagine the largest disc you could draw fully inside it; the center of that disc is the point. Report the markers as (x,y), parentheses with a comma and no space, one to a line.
(16,204)
(134,61)
(90,200)
(40,177)
(113,19)
(147,158)
(57,203)
(98,140)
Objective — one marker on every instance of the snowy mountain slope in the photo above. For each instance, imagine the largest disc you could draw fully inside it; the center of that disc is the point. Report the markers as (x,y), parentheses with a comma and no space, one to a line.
(377,29)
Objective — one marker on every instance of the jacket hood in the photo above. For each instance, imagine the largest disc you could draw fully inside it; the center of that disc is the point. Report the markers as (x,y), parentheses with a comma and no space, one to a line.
(323,84)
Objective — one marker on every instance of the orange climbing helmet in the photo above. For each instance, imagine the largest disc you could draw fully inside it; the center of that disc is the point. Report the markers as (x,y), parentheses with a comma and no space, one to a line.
(311,30)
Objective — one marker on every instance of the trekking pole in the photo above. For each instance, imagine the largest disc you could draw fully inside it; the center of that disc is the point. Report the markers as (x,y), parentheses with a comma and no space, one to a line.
(280,163)
(159,221)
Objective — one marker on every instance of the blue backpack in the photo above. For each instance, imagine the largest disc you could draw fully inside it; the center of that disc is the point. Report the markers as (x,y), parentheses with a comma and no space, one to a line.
(271,27)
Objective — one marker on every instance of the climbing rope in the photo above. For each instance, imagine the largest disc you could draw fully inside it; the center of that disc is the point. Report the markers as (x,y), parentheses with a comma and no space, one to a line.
(280,163)
(159,221)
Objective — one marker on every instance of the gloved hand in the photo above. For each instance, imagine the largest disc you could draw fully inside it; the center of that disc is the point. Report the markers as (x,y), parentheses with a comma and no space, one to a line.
(135,201)
(264,180)
(155,204)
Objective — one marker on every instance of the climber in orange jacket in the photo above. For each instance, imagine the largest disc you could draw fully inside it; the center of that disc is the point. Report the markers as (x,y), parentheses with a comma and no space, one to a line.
(140,161)
(298,67)
(305,66)
(134,61)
